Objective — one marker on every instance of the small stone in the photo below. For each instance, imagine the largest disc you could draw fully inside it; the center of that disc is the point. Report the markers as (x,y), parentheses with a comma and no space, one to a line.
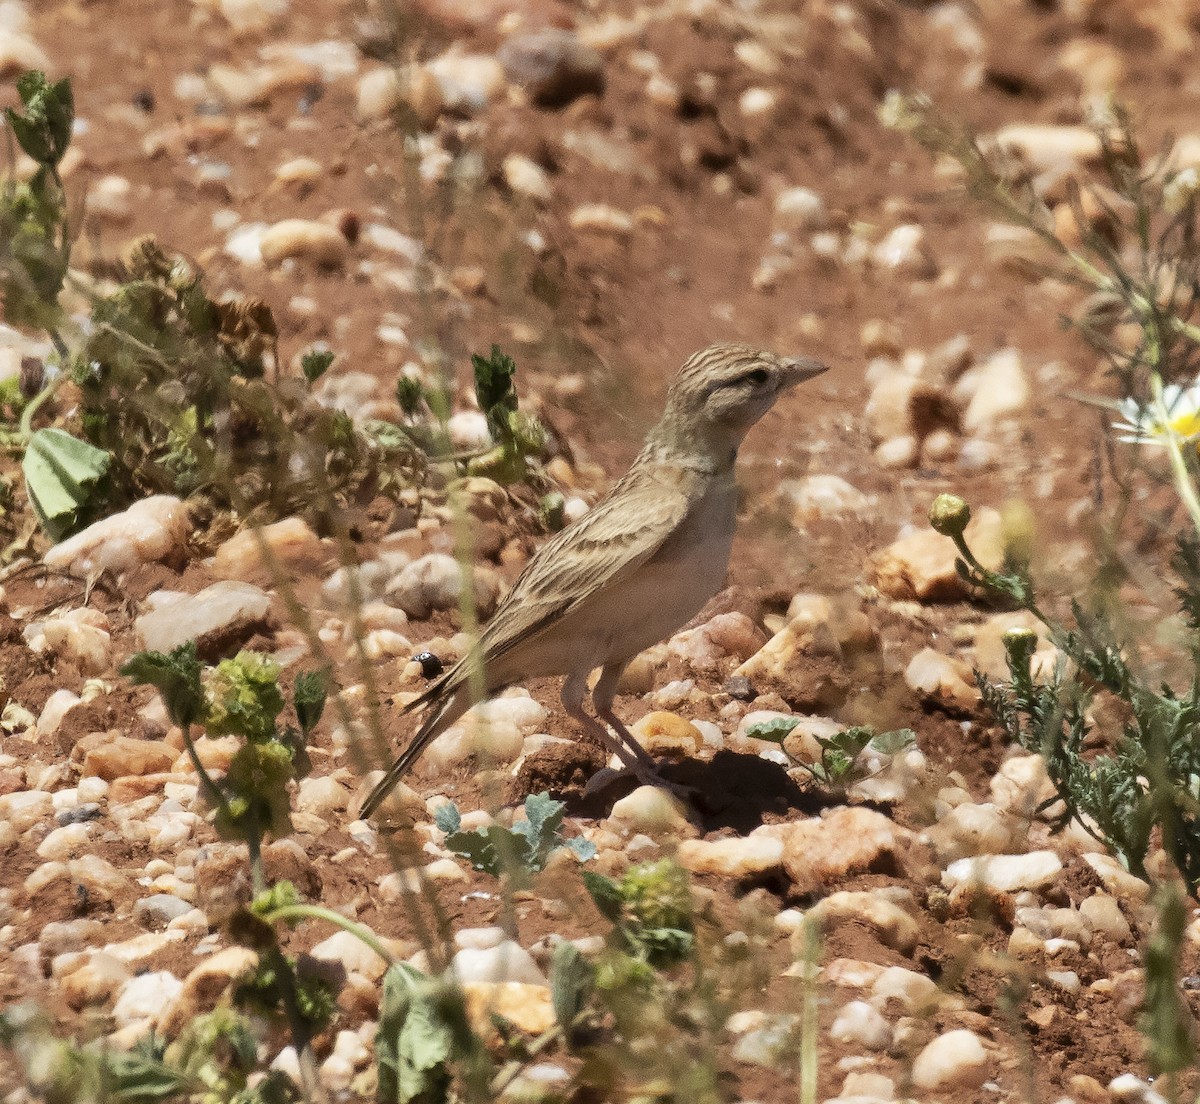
(306,240)
(527,178)
(322,796)
(219,618)
(894,926)
(204,986)
(860,1024)
(1116,879)
(527,1007)
(969,829)
(914,991)
(145,996)
(150,531)
(109,199)
(1128,1088)
(766,1045)
(663,733)
(22,809)
(1023,786)
(382,91)
(94,981)
(119,756)
(822,850)
(1004,873)
(80,636)
(553,66)
(1048,147)
(158,910)
(508,961)
(954,1060)
(906,251)
(895,396)
(291,547)
(653,811)
(802,663)
(351,953)
(726,634)
(434,582)
(921,565)
(468,430)
(799,209)
(750,857)
(1103,914)
(65,842)
(468,82)
(1001,389)
(942,681)
(898,453)
(599,218)
(822,496)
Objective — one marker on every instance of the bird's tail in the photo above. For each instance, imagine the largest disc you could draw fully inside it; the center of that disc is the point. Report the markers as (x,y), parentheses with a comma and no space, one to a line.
(442,717)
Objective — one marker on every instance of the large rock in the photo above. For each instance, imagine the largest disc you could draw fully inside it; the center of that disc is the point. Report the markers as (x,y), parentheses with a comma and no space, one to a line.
(894,926)
(732,858)
(1004,873)
(115,756)
(942,681)
(153,530)
(850,840)
(803,664)
(954,1060)
(921,565)
(219,618)
(435,582)
(253,555)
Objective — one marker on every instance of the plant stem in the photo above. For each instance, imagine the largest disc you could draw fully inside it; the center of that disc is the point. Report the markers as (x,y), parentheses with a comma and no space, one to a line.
(319,912)
(38,400)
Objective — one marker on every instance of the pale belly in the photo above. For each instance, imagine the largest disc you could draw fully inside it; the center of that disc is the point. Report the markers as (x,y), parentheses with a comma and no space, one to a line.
(650,605)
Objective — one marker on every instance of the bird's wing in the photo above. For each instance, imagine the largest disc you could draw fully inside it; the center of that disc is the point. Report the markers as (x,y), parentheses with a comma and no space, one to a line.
(608,543)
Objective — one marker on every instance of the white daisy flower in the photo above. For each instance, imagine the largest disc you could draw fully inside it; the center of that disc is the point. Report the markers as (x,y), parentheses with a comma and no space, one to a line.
(1145,424)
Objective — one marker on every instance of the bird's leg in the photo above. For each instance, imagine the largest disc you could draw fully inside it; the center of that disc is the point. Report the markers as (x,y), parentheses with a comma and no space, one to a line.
(572,694)
(603,694)
(602,701)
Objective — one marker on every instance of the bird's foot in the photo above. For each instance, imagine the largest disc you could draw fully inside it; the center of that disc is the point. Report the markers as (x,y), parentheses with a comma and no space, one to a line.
(646,776)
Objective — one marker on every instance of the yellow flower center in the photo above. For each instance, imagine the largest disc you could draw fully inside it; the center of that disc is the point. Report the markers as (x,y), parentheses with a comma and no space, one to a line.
(1185,425)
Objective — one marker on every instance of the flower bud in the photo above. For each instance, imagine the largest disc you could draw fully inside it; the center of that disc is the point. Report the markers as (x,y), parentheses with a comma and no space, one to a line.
(949,515)
(1019,645)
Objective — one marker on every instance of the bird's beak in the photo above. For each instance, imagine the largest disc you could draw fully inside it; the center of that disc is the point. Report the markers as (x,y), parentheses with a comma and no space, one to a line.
(799,369)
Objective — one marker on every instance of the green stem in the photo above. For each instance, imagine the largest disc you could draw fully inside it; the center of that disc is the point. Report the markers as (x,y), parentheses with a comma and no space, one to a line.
(319,912)
(207,784)
(39,400)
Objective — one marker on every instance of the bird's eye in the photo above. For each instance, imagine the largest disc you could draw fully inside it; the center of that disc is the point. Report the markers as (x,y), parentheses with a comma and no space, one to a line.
(758,377)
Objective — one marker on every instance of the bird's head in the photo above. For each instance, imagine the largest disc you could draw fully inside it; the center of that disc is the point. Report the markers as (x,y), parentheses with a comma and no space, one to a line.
(721,392)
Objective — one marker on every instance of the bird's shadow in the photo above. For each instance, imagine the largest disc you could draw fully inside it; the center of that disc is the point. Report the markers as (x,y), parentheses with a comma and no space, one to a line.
(730,791)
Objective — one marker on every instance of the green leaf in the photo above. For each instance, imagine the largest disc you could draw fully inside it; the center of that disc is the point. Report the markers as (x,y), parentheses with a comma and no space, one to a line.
(572,980)
(495,392)
(409,394)
(582,849)
(308,696)
(175,675)
(63,476)
(539,830)
(894,742)
(774,730)
(44,131)
(606,894)
(315,363)
(447,818)
(413,1043)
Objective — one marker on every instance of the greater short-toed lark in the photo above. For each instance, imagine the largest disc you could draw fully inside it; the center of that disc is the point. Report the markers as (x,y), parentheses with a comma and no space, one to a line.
(634,569)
